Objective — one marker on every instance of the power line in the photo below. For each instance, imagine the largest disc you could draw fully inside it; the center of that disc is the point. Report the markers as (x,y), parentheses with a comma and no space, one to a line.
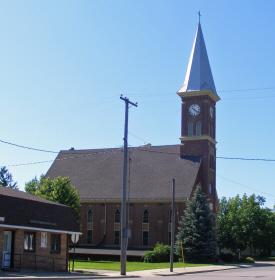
(245,186)
(253,159)
(61,159)
(149,94)
(249,89)
(135,149)
(19,146)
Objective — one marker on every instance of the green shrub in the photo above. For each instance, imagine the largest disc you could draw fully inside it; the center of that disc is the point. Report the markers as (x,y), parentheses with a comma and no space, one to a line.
(161,253)
(250,260)
(246,259)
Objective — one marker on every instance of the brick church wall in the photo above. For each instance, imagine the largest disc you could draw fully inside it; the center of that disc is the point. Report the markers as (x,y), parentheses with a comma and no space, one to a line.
(158,223)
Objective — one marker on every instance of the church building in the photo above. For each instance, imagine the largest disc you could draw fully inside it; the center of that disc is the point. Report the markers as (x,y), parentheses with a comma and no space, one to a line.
(97,173)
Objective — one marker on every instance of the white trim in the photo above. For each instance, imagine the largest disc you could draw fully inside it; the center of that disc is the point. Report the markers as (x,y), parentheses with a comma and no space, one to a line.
(40,229)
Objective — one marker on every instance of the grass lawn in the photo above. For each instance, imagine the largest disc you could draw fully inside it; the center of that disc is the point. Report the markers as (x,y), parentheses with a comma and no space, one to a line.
(130,266)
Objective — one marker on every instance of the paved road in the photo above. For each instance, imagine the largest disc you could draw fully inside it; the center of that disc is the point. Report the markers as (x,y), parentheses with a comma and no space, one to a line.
(266,271)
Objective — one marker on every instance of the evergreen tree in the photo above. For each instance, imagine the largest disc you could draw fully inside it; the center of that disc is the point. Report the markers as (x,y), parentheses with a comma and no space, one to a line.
(197,231)
(6,179)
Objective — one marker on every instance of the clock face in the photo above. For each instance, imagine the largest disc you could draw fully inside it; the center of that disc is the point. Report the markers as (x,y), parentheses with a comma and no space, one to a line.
(211,111)
(194,109)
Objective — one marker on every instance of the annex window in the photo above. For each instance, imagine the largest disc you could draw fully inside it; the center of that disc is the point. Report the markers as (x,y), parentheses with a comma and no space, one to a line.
(190,129)
(29,241)
(89,237)
(43,240)
(55,243)
(145,228)
(117,227)
(198,128)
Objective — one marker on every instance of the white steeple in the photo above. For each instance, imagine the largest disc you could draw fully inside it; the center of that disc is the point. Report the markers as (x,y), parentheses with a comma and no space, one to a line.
(198,75)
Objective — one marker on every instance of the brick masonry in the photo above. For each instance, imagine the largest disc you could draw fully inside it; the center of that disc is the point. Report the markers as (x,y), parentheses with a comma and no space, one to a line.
(158,223)
(45,260)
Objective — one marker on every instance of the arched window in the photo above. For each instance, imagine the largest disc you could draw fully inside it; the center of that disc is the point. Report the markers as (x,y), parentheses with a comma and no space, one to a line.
(90,216)
(211,131)
(145,228)
(90,226)
(198,128)
(190,129)
(210,188)
(212,162)
(117,227)
(117,216)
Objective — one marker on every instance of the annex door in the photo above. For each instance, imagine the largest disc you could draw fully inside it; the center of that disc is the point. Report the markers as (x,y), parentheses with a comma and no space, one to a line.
(7,249)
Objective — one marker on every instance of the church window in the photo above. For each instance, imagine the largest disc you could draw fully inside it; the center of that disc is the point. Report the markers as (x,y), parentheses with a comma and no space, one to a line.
(89,226)
(198,128)
(90,216)
(212,162)
(212,131)
(210,188)
(117,227)
(89,236)
(190,129)
(145,228)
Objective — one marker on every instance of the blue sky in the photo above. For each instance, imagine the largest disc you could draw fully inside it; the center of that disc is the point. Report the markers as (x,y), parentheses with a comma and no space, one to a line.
(64,65)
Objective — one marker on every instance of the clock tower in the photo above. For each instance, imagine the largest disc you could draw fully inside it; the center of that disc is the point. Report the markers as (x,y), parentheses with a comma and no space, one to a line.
(198,126)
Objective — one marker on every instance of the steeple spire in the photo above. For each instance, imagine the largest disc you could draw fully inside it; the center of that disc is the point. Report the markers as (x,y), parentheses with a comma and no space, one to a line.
(198,75)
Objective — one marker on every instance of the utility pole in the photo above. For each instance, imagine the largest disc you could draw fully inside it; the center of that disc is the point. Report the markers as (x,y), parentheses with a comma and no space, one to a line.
(124,232)
(172,227)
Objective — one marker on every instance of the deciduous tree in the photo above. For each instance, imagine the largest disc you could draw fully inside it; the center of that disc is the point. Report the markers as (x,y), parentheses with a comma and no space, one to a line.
(59,190)
(244,222)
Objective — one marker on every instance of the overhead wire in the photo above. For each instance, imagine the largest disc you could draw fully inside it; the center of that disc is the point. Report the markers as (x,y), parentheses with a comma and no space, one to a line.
(29,148)
(144,141)
(244,186)
(68,158)
(112,151)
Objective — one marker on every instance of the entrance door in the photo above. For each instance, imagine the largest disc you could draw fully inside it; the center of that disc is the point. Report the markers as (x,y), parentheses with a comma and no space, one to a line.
(7,249)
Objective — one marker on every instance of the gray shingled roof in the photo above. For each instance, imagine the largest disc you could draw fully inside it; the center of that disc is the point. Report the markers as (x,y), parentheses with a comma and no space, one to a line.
(19,209)
(97,174)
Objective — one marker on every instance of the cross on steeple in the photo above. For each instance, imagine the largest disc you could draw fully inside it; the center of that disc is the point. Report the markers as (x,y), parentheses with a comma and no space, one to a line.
(199,16)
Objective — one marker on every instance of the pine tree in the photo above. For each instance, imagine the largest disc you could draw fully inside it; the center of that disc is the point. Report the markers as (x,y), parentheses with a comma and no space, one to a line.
(6,179)
(197,231)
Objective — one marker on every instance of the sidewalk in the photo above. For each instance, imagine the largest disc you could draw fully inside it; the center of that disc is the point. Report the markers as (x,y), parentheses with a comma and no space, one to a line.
(95,274)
